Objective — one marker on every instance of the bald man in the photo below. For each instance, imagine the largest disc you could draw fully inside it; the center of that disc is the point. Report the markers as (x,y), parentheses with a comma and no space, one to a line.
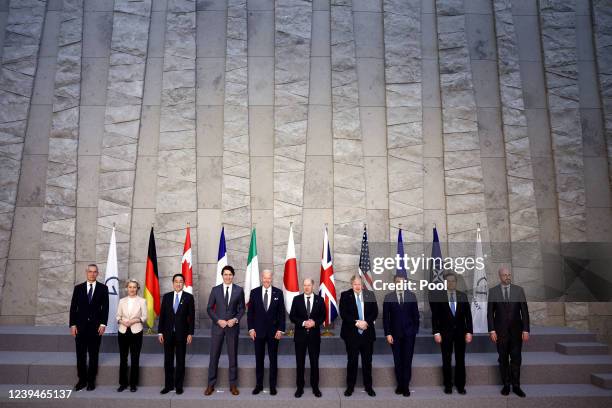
(508,321)
(266,323)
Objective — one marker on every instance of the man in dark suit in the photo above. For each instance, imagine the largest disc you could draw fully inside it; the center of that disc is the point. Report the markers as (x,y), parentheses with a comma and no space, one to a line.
(307,314)
(401,325)
(175,331)
(451,322)
(88,318)
(358,310)
(266,323)
(225,308)
(508,321)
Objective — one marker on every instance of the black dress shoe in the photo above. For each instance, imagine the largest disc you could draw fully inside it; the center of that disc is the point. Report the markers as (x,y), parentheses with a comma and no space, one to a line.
(166,390)
(273,391)
(406,393)
(299,392)
(517,390)
(179,391)
(133,388)
(79,386)
(399,391)
(370,392)
(348,392)
(505,390)
(448,390)
(461,391)
(316,392)
(122,388)
(257,390)
(91,387)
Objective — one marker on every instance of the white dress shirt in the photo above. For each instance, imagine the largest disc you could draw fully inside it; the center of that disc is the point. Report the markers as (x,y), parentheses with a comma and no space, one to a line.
(229,292)
(263,296)
(311,296)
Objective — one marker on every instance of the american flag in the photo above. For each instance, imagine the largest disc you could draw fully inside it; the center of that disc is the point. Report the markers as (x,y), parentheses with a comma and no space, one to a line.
(364,261)
(327,285)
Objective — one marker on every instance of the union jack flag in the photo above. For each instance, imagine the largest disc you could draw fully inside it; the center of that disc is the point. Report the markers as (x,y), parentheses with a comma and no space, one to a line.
(327,285)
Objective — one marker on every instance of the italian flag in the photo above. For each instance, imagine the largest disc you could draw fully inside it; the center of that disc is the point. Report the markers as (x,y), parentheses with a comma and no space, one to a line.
(251,279)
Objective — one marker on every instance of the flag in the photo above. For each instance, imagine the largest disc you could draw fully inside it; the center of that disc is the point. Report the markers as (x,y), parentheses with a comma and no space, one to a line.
(327,285)
(481,291)
(111,281)
(436,272)
(151,291)
(251,279)
(291,287)
(221,258)
(401,268)
(186,264)
(364,261)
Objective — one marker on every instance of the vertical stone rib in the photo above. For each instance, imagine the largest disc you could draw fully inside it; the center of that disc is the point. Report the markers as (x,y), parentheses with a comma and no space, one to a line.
(57,246)
(524,223)
(558,20)
(602,22)
(402,31)
(463,177)
(19,61)
(176,172)
(349,177)
(121,127)
(236,188)
(293,25)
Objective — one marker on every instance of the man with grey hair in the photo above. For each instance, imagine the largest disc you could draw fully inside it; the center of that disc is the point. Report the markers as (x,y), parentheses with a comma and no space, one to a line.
(307,314)
(508,321)
(358,310)
(266,324)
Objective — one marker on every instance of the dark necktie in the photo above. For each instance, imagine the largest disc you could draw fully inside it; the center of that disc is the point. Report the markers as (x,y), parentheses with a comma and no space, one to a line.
(401,298)
(90,292)
(227,296)
(308,306)
(266,300)
(506,294)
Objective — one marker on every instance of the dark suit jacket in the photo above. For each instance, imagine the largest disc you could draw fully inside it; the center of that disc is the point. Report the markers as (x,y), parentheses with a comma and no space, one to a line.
(507,317)
(442,319)
(182,323)
(349,314)
(217,309)
(298,315)
(84,314)
(400,320)
(266,323)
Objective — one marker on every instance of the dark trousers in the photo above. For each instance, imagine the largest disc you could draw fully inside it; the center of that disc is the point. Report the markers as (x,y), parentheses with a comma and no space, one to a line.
(313,347)
(174,346)
(260,354)
(230,335)
(87,343)
(509,346)
(354,348)
(129,343)
(452,341)
(403,350)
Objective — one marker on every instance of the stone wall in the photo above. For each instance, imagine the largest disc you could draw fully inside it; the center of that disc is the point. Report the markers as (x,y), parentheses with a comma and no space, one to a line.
(259,113)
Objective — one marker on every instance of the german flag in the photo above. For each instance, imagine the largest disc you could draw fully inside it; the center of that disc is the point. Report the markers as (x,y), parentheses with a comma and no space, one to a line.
(151,292)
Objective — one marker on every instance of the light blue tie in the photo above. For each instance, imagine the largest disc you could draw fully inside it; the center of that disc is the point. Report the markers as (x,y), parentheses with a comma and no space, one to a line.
(452,300)
(360,311)
(176,302)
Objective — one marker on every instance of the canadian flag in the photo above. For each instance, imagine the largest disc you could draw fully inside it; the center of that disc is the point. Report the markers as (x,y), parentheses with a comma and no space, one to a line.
(186,264)
(291,287)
